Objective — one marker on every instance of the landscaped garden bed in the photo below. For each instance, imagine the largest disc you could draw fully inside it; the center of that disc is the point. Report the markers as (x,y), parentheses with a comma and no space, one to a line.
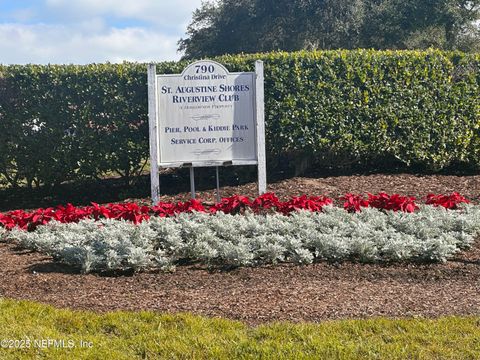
(240,232)
(285,291)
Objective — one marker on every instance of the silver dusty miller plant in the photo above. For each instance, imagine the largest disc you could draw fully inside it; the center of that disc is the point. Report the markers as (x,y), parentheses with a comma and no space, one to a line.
(430,234)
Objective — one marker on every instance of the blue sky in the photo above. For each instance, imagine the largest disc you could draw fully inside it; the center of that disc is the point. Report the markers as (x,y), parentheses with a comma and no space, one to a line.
(87,31)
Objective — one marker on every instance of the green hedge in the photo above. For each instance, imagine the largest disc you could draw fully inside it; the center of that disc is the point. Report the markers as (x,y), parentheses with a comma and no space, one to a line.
(369,107)
(61,122)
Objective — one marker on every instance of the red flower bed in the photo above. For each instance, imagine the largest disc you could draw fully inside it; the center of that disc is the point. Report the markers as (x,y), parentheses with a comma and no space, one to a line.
(447,201)
(354,203)
(395,202)
(232,205)
(314,203)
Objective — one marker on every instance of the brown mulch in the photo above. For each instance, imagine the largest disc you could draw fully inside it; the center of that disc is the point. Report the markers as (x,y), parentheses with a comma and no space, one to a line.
(337,186)
(283,292)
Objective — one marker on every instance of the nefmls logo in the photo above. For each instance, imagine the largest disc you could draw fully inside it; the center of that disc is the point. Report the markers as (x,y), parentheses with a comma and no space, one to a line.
(53,343)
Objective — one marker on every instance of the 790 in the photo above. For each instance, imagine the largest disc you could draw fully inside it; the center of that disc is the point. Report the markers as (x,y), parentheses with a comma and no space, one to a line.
(204,69)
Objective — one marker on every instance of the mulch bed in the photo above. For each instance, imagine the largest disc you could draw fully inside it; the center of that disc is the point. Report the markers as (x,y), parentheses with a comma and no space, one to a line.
(337,186)
(284,292)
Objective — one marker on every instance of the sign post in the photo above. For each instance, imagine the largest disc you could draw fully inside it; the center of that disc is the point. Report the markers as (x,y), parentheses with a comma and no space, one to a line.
(206,116)
(260,122)
(153,130)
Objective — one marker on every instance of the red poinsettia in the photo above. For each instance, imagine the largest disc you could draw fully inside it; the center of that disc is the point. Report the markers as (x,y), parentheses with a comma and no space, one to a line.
(313,203)
(189,206)
(266,201)
(99,211)
(393,202)
(447,201)
(232,205)
(353,202)
(164,209)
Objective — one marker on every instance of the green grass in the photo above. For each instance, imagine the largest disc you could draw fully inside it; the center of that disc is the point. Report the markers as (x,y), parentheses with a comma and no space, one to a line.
(149,335)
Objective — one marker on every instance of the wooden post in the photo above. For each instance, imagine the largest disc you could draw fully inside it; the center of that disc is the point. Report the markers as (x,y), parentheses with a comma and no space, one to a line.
(153,128)
(260,120)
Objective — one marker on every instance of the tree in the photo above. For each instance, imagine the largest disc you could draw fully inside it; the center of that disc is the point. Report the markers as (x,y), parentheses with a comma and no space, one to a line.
(235,26)
(408,24)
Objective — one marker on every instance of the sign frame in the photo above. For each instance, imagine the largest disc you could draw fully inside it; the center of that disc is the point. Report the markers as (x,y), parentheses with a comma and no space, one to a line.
(155,123)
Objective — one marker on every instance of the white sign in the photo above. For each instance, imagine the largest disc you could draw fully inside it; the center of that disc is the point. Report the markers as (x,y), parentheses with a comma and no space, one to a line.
(206,116)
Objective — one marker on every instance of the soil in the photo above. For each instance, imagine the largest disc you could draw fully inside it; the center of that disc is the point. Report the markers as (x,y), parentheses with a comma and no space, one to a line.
(175,186)
(337,186)
(272,293)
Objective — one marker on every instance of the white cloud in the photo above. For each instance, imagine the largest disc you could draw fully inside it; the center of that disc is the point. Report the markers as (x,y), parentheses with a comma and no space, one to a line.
(160,13)
(85,43)
(86,31)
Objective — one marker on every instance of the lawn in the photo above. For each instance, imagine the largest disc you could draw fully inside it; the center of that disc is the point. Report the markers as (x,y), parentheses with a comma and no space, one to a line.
(150,335)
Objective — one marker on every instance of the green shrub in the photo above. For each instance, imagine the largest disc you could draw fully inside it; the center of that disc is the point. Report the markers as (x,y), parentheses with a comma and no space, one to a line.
(366,106)
(61,122)
(64,122)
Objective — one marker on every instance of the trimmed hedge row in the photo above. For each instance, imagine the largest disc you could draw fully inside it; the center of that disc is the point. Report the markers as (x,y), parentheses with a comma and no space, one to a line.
(372,107)
(61,122)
